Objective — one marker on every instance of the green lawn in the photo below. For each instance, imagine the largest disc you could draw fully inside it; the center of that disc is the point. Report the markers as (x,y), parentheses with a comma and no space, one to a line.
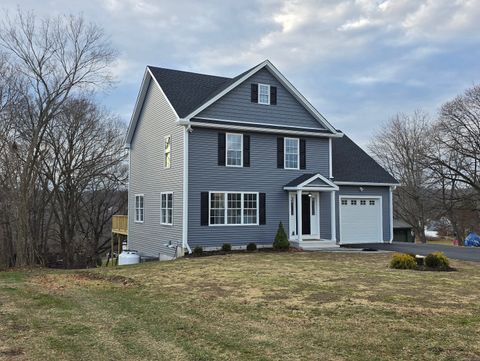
(264,306)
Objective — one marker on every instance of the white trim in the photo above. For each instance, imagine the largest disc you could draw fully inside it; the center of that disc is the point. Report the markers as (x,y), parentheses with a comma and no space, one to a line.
(165,152)
(163,93)
(390,200)
(226,150)
(304,185)
(311,189)
(147,78)
(268,94)
(267,124)
(285,153)
(357,196)
(185,191)
(333,220)
(261,130)
(136,109)
(161,209)
(317,176)
(299,216)
(225,200)
(135,208)
(320,118)
(366,184)
(330,164)
(128,194)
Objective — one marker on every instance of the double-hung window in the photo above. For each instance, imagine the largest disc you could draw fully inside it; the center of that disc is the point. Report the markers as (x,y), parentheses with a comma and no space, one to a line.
(168,150)
(166,209)
(234,150)
(233,208)
(139,208)
(292,153)
(264,94)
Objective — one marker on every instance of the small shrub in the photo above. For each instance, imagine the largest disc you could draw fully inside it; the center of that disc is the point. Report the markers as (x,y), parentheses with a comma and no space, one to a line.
(198,251)
(403,261)
(281,241)
(437,260)
(226,247)
(251,247)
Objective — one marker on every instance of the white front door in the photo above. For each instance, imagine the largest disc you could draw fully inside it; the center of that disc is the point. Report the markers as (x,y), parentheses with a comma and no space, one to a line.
(310,215)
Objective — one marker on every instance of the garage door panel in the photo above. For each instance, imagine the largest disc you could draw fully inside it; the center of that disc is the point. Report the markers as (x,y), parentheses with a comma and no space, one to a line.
(360,220)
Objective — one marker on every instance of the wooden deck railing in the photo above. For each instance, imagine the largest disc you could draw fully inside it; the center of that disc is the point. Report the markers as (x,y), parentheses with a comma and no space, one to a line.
(120,224)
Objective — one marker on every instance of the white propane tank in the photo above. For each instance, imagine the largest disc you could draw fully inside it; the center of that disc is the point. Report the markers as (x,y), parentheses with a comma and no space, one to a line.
(128,257)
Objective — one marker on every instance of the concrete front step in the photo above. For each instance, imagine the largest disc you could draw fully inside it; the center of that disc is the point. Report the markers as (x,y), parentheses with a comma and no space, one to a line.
(315,245)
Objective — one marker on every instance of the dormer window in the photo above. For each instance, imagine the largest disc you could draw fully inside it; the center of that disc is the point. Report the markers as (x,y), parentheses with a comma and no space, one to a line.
(264,94)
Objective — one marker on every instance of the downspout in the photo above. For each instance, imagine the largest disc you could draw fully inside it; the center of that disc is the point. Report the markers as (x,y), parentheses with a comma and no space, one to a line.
(187,130)
(127,147)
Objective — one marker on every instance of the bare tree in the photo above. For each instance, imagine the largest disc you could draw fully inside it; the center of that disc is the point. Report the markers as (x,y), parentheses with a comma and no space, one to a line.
(400,147)
(56,58)
(457,135)
(83,149)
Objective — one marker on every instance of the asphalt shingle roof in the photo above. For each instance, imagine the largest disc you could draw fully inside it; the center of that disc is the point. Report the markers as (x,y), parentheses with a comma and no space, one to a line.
(187,91)
(350,163)
(299,180)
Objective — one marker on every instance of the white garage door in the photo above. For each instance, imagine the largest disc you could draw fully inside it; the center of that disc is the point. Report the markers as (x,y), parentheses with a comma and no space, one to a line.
(360,220)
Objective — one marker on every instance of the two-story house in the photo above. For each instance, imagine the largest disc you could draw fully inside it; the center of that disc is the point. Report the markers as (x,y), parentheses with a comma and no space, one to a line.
(218,160)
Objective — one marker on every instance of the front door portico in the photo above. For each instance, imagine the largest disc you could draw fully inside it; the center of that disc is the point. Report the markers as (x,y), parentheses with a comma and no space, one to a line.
(304,197)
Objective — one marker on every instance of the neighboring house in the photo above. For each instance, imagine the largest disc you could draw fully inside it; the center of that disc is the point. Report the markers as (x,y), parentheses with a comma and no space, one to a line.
(402,231)
(218,160)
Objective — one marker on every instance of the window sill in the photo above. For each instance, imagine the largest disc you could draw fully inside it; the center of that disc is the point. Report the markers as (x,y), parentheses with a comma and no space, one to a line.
(140,222)
(233,225)
(167,224)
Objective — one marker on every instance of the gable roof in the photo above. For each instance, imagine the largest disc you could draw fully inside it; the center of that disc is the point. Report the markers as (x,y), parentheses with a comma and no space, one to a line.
(350,163)
(310,180)
(190,93)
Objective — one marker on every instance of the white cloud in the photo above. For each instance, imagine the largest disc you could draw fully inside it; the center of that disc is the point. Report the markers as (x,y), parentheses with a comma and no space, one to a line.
(356,58)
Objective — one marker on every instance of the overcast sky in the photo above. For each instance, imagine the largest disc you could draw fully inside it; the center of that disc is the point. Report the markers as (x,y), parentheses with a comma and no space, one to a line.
(358,62)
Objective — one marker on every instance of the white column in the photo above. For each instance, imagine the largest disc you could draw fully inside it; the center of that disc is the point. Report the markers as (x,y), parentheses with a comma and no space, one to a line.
(333,216)
(299,215)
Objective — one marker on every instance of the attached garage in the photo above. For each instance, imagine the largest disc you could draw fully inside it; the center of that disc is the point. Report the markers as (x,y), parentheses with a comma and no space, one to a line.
(360,219)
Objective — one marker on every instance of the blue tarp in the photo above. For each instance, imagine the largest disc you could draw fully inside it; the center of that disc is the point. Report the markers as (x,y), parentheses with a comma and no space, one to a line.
(472,240)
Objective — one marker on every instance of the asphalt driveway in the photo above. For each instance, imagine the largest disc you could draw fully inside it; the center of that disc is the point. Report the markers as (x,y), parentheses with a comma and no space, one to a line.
(461,253)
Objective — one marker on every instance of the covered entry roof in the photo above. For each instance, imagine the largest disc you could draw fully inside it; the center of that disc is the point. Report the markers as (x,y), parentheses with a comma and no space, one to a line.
(311,181)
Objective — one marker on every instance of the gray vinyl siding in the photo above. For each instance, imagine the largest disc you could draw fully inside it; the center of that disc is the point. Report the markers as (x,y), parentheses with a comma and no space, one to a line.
(148,176)
(236,106)
(384,192)
(262,176)
(325,216)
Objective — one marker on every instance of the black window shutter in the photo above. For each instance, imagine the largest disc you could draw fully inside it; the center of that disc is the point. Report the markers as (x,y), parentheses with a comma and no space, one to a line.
(246,150)
(303,154)
(273,95)
(254,93)
(204,209)
(280,156)
(263,214)
(221,148)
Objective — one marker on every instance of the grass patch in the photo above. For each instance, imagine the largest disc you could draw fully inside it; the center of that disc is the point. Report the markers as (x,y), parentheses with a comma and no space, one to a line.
(258,306)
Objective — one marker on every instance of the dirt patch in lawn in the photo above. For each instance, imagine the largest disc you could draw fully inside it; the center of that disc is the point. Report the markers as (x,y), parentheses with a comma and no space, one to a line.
(58,282)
